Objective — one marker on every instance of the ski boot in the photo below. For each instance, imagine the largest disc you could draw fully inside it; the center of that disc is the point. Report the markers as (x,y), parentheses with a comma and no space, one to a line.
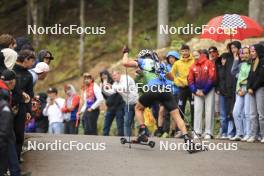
(143,134)
(191,146)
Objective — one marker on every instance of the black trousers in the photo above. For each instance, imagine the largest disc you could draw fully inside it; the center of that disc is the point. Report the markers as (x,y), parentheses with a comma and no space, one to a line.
(70,127)
(19,128)
(186,95)
(90,122)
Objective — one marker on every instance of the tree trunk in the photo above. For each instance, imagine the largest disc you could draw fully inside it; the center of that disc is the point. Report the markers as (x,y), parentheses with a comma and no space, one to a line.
(81,66)
(34,13)
(130,29)
(163,20)
(193,7)
(255,10)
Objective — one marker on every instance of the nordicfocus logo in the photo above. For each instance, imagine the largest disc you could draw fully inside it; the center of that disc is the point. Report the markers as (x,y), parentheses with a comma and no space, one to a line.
(173,146)
(58,145)
(58,29)
(190,29)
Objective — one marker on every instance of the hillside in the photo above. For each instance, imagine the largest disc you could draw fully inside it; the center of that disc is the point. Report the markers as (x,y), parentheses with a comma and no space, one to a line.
(101,51)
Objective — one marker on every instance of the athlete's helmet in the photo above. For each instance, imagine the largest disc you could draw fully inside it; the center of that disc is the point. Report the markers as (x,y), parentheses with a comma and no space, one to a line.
(144,52)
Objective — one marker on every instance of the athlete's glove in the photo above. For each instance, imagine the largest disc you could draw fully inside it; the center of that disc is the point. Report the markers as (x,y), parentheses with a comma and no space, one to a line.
(125,49)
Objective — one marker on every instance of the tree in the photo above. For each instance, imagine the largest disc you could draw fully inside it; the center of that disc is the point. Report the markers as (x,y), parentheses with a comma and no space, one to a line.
(255,10)
(130,28)
(163,20)
(193,7)
(33,8)
(82,4)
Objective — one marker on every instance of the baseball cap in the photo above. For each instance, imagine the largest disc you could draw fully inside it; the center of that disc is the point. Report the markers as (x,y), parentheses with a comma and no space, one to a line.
(41,67)
(52,90)
(8,75)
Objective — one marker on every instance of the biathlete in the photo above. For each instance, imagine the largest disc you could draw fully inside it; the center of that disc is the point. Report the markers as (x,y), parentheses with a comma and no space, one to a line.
(148,62)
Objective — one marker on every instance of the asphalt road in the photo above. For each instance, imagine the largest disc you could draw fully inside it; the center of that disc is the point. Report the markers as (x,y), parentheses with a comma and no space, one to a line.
(108,157)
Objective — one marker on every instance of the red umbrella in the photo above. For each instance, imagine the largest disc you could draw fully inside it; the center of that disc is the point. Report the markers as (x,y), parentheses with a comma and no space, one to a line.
(231,26)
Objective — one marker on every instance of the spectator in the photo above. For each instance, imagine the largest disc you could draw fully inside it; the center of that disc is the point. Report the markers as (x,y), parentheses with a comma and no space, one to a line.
(71,107)
(164,116)
(45,56)
(23,43)
(10,58)
(7,83)
(91,98)
(53,111)
(224,89)
(126,87)
(180,71)
(22,94)
(201,80)
(6,41)
(39,72)
(42,122)
(256,92)
(241,107)
(114,103)
(214,56)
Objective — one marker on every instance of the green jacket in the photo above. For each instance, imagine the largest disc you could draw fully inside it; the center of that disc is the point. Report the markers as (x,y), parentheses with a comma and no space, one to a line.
(242,76)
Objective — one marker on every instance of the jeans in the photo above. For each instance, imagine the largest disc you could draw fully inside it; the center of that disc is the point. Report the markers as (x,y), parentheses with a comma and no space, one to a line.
(204,104)
(226,119)
(13,163)
(56,128)
(129,119)
(70,127)
(257,113)
(90,121)
(241,115)
(109,117)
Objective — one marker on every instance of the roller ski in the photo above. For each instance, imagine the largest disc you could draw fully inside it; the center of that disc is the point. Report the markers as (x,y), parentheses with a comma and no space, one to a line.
(193,147)
(142,138)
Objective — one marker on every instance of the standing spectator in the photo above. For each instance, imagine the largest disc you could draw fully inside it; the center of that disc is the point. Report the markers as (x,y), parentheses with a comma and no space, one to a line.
(241,68)
(256,92)
(22,94)
(42,122)
(114,103)
(179,72)
(6,42)
(45,56)
(71,107)
(10,58)
(126,87)
(8,154)
(164,116)
(91,98)
(53,111)
(39,72)
(214,57)
(201,80)
(224,89)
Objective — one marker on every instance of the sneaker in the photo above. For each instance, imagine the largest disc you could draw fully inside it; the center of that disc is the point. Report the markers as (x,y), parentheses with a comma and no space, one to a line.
(251,139)
(259,138)
(158,132)
(262,140)
(223,137)
(245,138)
(207,136)
(178,134)
(165,135)
(229,137)
(236,138)
(172,134)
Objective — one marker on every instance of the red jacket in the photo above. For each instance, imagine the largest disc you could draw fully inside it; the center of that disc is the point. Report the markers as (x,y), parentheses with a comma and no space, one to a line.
(202,75)
(6,90)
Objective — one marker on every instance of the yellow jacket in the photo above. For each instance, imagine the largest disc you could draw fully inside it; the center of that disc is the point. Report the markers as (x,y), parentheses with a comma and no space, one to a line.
(180,71)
